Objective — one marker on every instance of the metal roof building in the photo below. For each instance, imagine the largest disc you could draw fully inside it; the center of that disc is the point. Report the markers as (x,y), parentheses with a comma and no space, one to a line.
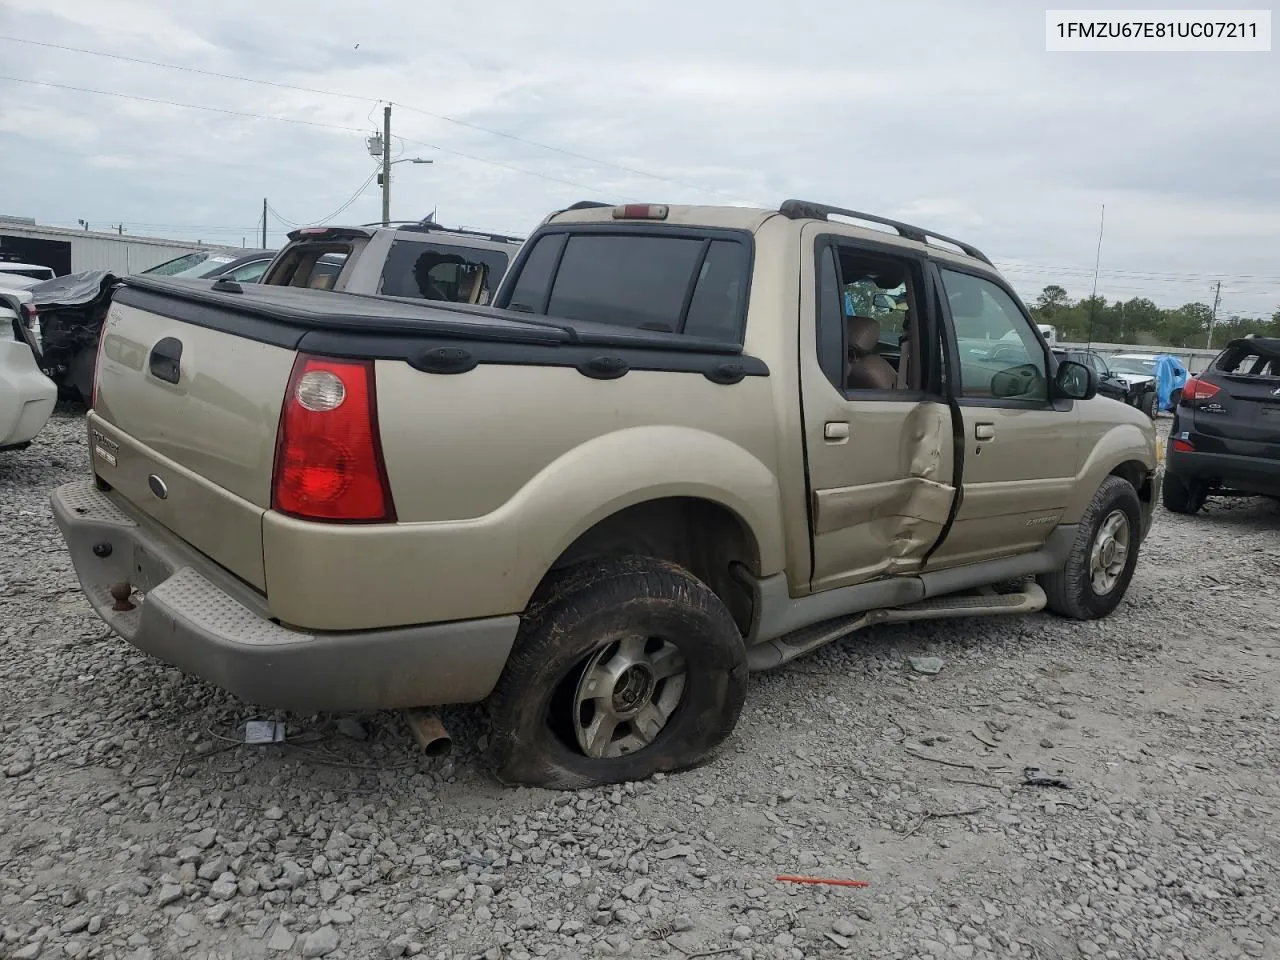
(75,251)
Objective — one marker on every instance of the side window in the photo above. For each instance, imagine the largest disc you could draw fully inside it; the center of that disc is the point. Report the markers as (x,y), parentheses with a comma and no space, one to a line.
(1099,364)
(1000,356)
(866,333)
(251,272)
(437,271)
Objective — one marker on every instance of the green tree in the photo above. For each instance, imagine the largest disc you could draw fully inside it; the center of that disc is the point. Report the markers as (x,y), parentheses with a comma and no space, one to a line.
(1052,298)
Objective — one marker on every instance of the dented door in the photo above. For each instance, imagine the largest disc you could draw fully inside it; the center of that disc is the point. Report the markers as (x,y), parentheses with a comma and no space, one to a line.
(880,461)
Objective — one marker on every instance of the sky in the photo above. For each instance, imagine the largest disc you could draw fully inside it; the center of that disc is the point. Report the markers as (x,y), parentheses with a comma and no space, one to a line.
(950,115)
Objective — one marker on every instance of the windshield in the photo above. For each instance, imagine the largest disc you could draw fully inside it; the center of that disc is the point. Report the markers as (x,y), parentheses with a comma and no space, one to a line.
(197,264)
(1146,368)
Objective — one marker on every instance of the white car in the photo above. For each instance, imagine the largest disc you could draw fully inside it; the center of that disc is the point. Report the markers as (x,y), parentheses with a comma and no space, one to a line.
(33,271)
(27,396)
(1134,367)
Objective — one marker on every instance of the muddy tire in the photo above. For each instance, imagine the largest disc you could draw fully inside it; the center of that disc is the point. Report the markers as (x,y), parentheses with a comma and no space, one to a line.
(1103,557)
(622,668)
(1180,495)
(1147,404)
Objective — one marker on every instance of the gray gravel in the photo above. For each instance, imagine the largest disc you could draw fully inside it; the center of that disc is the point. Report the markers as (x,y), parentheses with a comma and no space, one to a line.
(133,826)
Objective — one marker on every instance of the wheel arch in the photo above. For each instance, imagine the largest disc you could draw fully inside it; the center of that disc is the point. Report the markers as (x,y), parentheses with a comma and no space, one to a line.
(702,535)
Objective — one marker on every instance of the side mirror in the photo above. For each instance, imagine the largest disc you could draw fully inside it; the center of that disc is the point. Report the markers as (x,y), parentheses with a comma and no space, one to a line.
(1076,381)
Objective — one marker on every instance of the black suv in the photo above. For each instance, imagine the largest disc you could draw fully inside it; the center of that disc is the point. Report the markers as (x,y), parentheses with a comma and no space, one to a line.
(1138,392)
(1225,438)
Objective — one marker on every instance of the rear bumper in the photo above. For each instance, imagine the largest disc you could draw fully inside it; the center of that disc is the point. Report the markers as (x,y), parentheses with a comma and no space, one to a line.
(202,620)
(1246,474)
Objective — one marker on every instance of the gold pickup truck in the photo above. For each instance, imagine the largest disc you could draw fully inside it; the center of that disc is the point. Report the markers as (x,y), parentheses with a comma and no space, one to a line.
(682,444)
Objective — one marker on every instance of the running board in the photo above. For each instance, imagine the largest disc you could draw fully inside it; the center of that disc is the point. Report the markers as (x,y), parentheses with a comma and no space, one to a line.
(774,653)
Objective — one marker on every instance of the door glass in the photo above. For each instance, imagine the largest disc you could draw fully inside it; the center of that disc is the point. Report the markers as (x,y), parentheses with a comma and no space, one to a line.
(1000,355)
(251,272)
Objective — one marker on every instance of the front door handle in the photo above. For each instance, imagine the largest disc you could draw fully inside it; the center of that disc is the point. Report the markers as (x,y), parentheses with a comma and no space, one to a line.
(835,431)
(985,431)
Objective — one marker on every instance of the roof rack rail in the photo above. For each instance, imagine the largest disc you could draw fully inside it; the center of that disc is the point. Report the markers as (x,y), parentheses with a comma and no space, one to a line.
(807,210)
(429,227)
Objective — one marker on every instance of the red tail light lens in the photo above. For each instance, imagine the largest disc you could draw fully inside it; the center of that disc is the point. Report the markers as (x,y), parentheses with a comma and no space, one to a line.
(1196,389)
(329,462)
(1182,446)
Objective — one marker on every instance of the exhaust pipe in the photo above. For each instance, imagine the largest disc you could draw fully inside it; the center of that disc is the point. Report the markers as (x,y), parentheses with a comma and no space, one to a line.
(430,733)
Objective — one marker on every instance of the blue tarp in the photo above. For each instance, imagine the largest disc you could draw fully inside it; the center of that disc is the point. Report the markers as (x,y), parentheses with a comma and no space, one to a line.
(1171,375)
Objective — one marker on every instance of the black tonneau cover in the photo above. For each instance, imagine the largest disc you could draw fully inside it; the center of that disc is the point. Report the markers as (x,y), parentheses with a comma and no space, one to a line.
(328,311)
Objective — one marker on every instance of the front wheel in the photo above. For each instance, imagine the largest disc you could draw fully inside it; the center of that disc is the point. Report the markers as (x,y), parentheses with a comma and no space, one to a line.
(1103,557)
(1147,404)
(622,668)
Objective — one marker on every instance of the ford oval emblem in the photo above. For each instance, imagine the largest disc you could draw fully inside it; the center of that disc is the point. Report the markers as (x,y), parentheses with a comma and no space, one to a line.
(158,487)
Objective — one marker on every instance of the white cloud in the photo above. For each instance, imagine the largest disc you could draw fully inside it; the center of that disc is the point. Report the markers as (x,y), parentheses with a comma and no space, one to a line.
(949,114)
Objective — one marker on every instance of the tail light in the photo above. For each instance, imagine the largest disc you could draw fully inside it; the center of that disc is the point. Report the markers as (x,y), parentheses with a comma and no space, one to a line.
(1196,389)
(1183,446)
(329,463)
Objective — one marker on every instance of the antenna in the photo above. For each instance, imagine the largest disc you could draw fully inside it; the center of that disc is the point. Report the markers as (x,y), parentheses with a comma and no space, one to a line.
(1097,263)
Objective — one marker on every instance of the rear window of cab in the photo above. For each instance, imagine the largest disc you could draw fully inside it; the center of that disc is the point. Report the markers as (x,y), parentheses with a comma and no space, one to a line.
(687,282)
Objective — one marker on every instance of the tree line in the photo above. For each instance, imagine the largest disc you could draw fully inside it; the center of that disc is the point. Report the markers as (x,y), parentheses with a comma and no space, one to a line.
(1139,321)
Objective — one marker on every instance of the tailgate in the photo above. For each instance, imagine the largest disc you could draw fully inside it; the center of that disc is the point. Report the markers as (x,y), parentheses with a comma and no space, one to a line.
(184,427)
(1245,411)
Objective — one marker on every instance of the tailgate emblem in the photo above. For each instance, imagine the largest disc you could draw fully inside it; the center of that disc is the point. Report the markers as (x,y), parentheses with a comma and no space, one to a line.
(158,487)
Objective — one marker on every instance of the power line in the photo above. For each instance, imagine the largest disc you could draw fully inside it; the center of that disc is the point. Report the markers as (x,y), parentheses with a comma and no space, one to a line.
(175,103)
(309,123)
(351,96)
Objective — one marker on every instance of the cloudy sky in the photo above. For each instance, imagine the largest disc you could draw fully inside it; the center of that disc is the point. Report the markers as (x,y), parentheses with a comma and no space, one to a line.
(949,114)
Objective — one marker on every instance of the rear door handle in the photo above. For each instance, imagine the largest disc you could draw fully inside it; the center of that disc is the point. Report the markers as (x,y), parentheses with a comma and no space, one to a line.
(835,431)
(985,431)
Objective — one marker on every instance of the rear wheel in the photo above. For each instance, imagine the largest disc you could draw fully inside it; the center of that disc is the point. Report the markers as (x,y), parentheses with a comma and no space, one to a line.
(1103,557)
(1180,495)
(623,668)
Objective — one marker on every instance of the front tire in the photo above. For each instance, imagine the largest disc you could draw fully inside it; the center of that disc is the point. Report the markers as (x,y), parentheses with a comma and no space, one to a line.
(622,668)
(1103,557)
(1180,495)
(1147,404)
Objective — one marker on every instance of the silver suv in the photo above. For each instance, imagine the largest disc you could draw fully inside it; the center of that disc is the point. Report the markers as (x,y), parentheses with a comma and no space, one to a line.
(423,261)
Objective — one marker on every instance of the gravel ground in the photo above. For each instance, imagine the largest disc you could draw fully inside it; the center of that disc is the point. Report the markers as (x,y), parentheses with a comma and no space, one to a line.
(134,826)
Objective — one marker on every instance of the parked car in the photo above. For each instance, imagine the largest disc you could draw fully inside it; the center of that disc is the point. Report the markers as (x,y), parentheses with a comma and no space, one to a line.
(62,320)
(244,266)
(1137,390)
(1134,365)
(421,261)
(1225,438)
(667,457)
(12,266)
(15,290)
(27,396)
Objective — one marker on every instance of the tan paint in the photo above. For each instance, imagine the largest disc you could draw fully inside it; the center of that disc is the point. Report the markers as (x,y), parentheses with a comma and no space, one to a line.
(219,420)
(226,528)
(495,472)
(882,496)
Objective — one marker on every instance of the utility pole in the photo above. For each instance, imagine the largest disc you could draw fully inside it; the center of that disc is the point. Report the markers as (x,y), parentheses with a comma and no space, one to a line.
(386,164)
(1213,317)
(264,223)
